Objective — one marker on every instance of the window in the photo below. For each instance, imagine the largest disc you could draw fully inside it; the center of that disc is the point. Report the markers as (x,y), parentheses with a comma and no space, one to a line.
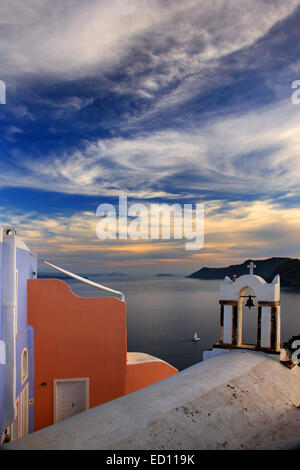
(24,366)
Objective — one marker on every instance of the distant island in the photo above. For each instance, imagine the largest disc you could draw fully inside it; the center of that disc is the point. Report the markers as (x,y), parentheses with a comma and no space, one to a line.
(164,275)
(287,268)
(55,275)
(113,274)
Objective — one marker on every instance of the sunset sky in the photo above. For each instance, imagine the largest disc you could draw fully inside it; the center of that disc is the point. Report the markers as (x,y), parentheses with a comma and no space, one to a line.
(162,101)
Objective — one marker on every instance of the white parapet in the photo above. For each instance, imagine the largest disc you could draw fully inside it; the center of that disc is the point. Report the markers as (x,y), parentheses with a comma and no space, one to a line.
(214,352)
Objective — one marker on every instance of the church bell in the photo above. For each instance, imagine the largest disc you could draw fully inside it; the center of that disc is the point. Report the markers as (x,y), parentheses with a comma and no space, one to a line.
(249,302)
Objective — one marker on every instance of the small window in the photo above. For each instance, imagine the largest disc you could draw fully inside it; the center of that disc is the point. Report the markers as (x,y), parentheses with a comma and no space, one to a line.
(24,366)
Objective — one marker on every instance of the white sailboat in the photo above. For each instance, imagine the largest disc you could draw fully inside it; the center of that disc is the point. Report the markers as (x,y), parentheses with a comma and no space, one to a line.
(196,337)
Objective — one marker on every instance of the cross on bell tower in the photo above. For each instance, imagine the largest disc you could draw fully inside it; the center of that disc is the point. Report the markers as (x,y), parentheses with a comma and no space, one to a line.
(251,266)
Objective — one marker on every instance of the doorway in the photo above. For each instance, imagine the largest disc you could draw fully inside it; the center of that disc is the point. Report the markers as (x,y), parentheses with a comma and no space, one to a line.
(71,396)
(23,411)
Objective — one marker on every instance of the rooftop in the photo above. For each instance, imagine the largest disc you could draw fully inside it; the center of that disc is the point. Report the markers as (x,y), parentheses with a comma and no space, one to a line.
(239,400)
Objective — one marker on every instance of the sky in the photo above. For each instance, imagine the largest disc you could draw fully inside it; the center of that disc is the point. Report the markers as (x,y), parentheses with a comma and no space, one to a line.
(163,101)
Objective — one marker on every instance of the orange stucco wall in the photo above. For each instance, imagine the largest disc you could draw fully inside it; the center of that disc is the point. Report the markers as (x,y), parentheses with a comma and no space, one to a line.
(76,337)
(147,373)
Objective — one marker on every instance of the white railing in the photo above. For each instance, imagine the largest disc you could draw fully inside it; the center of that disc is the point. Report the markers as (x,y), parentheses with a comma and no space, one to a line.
(86,281)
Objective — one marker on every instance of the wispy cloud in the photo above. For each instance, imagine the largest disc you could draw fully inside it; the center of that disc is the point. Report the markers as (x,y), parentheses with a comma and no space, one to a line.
(72,37)
(255,153)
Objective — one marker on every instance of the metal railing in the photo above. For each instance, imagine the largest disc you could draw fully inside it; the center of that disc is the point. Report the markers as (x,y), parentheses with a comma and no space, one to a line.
(86,281)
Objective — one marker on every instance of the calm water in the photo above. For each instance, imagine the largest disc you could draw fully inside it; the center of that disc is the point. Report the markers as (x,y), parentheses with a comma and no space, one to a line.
(164,312)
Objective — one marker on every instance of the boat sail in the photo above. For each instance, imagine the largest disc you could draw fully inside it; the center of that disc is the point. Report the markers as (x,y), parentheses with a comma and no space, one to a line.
(196,337)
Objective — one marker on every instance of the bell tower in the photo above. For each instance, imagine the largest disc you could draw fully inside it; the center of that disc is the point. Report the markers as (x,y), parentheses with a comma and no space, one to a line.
(267,312)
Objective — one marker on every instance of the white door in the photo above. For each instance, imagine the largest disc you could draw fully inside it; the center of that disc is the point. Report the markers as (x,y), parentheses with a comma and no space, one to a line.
(70,398)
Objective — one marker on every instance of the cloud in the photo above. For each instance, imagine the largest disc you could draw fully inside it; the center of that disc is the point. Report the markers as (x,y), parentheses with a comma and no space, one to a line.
(154,99)
(175,39)
(240,230)
(78,70)
(255,153)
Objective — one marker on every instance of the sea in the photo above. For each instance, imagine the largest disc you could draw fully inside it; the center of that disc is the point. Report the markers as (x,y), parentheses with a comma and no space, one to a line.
(164,312)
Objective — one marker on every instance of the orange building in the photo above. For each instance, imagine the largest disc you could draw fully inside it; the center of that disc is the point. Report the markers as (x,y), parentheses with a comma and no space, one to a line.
(80,351)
